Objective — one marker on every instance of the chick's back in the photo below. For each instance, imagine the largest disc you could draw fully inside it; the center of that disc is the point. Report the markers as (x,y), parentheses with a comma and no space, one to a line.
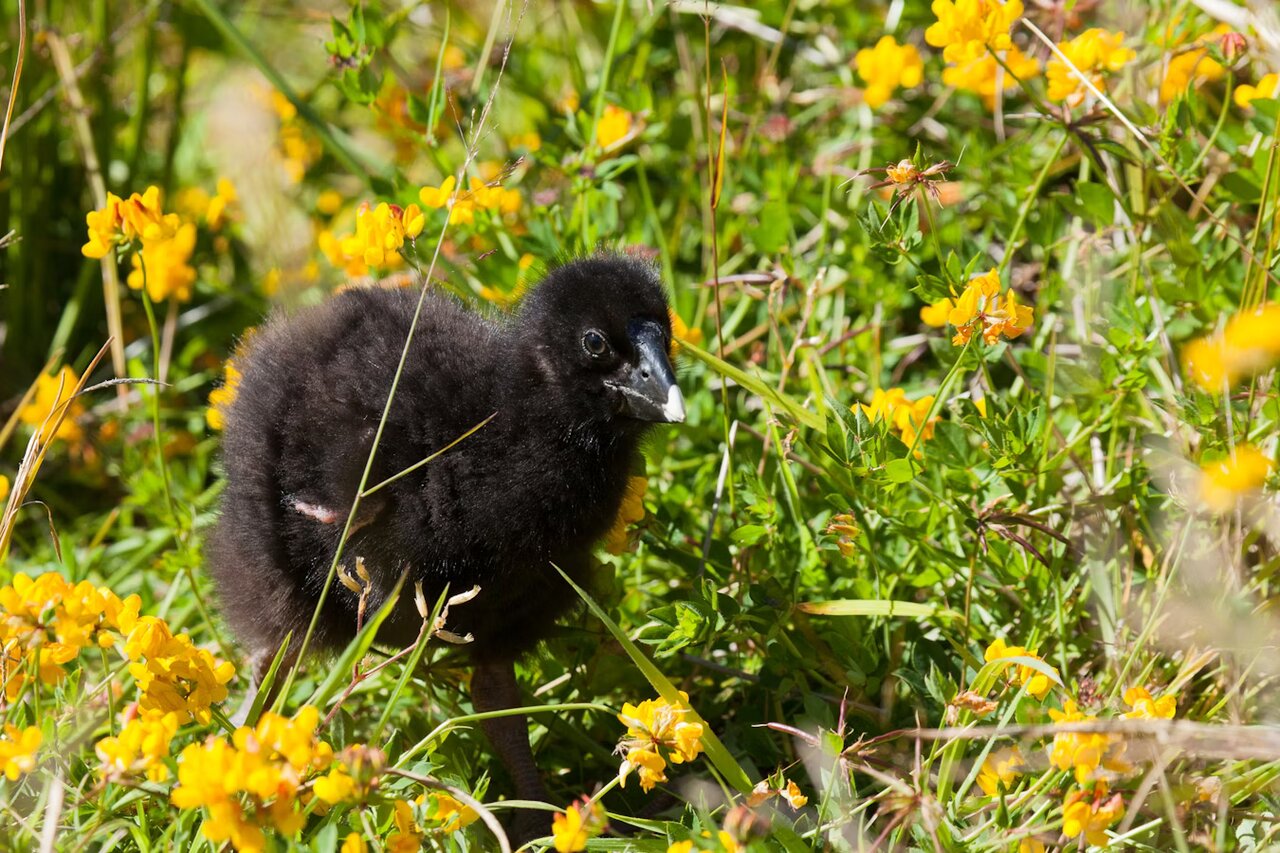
(297,437)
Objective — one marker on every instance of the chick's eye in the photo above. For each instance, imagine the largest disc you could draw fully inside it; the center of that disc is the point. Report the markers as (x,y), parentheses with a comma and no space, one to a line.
(594,343)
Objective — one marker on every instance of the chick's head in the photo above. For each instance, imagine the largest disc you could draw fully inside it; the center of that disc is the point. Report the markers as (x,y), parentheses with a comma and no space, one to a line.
(598,333)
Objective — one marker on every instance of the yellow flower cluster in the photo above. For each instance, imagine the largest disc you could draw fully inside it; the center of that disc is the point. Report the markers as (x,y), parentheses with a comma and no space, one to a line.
(972,33)
(904,415)
(478,196)
(253,781)
(966,29)
(614,127)
(1092,52)
(44,623)
(981,308)
(887,66)
(1001,768)
(576,825)
(18,749)
(140,748)
(441,811)
(1225,481)
(630,512)
(174,676)
(379,236)
(121,222)
(657,732)
(1268,87)
(1085,752)
(1038,684)
(163,243)
(1247,344)
(1090,813)
(221,398)
(51,392)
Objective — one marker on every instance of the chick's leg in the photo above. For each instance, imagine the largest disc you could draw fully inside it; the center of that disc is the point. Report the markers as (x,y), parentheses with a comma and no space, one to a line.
(494,688)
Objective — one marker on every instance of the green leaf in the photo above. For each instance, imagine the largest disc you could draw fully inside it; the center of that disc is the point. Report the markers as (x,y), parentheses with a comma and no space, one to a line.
(900,470)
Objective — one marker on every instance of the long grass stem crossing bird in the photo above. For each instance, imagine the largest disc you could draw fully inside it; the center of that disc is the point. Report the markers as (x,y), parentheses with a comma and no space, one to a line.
(570,383)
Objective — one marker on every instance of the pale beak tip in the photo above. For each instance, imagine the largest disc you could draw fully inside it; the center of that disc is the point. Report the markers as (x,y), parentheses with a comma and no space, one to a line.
(674,409)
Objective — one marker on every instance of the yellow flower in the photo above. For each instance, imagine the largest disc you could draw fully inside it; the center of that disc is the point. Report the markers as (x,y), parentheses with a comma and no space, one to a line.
(143,218)
(163,266)
(530,141)
(216,214)
(681,332)
(981,74)
(905,416)
(4,487)
(408,836)
(1224,482)
(1268,87)
(936,315)
(18,750)
(1246,345)
(966,29)
(615,125)
(680,847)
(353,843)
(1001,768)
(1089,814)
(1092,52)
(576,825)
(1084,751)
(437,197)
(106,228)
(51,392)
(1190,68)
(450,813)
(1031,845)
(1038,684)
(221,398)
(887,66)
(981,308)
(141,747)
(1146,708)
(657,732)
(629,512)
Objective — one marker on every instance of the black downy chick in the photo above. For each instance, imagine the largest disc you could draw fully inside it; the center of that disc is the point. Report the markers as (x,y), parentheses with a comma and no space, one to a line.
(574,378)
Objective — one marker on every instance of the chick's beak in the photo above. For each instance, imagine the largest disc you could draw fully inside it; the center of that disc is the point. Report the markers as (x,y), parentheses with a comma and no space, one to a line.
(649,390)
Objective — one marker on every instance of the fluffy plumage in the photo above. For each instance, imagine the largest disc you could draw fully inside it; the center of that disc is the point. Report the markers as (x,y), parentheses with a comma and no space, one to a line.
(572,381)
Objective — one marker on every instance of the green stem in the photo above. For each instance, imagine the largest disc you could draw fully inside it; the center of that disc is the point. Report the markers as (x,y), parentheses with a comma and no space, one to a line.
(1011,242)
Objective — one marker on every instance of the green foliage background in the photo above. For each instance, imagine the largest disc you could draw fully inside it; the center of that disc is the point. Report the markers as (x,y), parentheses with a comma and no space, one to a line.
(1064,520)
